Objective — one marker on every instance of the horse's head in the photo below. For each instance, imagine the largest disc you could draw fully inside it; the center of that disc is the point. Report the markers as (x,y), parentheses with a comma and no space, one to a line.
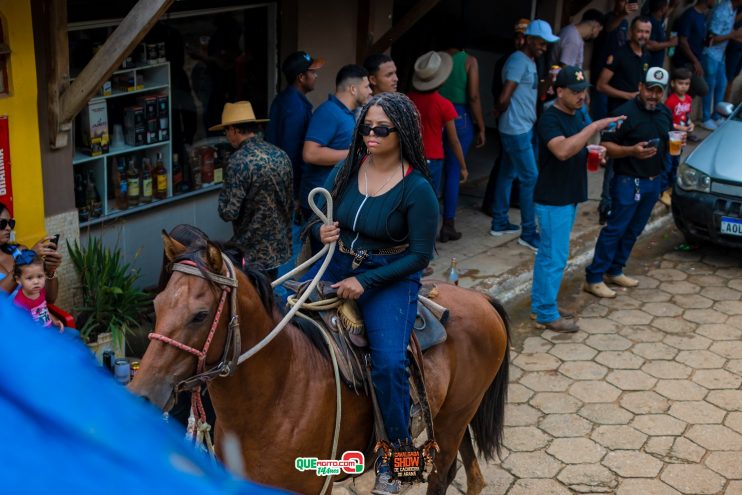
(186,310)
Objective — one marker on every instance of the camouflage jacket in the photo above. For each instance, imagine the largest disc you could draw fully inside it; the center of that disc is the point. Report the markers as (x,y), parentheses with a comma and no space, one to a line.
(257,199)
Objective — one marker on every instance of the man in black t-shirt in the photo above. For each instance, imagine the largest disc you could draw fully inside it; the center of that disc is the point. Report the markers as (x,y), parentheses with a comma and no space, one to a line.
(619,80)
(638,148)
(561,186)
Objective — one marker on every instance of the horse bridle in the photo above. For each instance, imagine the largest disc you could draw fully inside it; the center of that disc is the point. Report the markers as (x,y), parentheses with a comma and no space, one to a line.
(228,363)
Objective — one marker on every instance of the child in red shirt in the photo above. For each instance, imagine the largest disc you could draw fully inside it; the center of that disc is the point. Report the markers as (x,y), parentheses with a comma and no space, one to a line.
(679,103)
(436,114)
(29,275)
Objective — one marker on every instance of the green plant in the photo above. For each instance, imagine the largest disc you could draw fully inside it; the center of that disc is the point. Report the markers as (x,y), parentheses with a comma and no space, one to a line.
(110,300)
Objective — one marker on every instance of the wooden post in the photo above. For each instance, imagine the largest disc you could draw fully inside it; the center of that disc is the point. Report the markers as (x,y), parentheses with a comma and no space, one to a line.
(58,79)
(363,36)
(122,41)
(421,8)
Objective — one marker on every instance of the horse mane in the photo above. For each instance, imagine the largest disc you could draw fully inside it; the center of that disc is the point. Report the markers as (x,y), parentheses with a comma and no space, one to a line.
(254,274)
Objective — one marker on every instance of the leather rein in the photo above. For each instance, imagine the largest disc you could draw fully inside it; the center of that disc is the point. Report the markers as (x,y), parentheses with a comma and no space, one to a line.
(228,362)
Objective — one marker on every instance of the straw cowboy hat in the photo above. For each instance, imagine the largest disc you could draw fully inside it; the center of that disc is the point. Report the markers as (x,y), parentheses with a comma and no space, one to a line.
(431,70)
(237,113)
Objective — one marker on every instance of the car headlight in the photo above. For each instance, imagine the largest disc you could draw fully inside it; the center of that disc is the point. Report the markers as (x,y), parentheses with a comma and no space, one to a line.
(691,179)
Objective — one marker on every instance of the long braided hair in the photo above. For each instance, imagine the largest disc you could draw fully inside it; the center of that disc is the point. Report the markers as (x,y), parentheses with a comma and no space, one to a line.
(404,116)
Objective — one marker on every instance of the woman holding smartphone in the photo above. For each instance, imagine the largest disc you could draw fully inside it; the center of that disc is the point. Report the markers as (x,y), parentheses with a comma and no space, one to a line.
(46,248)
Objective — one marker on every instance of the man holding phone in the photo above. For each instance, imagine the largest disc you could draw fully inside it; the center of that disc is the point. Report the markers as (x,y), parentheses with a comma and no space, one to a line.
(638,148)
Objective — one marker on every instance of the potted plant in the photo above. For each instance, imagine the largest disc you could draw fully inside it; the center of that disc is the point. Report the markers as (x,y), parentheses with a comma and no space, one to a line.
(112,306)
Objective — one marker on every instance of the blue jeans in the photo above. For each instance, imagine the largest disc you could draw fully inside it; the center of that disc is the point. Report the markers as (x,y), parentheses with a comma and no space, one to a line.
(451,167)
(716,78)
(388,313)
(519,160)
(626,221)
(670,173)
(555,224)
(436,173)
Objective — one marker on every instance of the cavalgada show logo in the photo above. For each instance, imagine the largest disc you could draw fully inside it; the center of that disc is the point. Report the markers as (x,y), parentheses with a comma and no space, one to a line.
(352,462)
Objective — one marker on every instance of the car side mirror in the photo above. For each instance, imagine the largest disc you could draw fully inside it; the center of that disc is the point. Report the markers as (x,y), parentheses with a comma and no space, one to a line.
(725,109)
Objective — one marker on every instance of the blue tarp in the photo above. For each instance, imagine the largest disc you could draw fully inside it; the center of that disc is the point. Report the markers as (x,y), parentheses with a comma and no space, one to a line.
(67,427)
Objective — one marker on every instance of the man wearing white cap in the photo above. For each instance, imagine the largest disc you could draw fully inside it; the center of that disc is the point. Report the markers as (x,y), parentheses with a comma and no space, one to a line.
(257,192)
(638,149)
(517,104)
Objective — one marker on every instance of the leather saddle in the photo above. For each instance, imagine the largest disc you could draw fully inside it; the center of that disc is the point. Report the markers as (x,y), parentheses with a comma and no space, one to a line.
(345,324)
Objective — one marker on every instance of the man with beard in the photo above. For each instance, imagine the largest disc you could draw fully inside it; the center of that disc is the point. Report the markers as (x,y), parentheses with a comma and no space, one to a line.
(638,148)
(562,184)
(517,104)
(619,80)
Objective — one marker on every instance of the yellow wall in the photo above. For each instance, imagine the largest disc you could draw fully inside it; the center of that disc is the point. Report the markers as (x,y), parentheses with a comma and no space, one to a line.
(21,108)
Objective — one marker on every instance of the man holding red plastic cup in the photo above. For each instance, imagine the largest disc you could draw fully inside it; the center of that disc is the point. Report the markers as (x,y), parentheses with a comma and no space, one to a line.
(561,186)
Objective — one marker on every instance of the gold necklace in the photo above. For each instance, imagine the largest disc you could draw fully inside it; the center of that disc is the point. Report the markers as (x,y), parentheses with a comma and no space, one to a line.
(365,176)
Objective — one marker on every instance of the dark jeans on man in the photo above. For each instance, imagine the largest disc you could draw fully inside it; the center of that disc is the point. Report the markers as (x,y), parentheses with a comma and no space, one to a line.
(629,216)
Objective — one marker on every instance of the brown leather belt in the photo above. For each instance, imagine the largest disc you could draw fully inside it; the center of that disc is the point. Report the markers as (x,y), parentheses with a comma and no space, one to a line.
(360,255)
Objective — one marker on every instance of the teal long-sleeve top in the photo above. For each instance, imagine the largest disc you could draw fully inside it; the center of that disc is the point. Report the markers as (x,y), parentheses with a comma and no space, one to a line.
(406,214)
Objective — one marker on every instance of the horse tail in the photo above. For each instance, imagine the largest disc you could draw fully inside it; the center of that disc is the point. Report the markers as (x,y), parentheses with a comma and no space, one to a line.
(488,422)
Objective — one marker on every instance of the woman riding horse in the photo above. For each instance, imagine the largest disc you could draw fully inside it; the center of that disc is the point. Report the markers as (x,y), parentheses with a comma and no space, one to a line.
(387,217)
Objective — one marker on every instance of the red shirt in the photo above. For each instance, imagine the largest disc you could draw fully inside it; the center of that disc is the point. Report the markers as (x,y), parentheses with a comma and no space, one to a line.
(37,307)
(435,111)
(680,109)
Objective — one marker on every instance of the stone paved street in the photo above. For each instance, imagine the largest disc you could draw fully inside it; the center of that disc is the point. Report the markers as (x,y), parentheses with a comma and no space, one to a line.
(645,400)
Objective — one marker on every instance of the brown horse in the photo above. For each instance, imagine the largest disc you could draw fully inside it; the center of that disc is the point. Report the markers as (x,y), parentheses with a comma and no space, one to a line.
(280,404)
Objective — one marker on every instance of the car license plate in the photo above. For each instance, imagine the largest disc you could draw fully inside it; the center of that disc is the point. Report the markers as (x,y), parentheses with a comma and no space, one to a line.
(731,226)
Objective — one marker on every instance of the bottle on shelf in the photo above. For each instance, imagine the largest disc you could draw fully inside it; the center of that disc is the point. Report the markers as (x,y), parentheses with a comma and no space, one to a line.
(452,274)
(92,197)
(132,177)
(146,181)
(196,177)
(177,175)
(120,184)
(160,178)
(218,169)
(83,213)
(207,165)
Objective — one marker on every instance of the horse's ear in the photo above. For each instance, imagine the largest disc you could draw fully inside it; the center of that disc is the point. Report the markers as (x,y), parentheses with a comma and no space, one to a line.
(214,257)
(173,248)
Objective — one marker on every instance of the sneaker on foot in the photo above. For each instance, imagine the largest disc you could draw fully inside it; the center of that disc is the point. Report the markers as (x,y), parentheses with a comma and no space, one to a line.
(599,290)
(561,325)
(531,242)
(622,280)
(709,125)
(385,485)
(507,229)
(562,312)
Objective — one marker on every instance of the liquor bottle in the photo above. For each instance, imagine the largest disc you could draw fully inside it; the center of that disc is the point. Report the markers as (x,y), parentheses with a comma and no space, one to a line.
(160,178)
(146,181)
(195,170)
(79,192)
(177,175)
(132,175)
(452,274)
(218,169)
(120,184)
(207,165)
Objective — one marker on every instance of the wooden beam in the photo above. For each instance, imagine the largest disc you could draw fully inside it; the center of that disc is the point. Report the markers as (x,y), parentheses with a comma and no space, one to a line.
(119,44)
(421,8)
(363,36)
(58,79)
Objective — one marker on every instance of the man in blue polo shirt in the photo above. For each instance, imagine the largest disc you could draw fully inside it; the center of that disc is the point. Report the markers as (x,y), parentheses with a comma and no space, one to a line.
(330,131)
(290,111)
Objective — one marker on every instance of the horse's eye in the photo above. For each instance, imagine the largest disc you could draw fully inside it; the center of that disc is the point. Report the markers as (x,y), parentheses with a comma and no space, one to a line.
(200,316)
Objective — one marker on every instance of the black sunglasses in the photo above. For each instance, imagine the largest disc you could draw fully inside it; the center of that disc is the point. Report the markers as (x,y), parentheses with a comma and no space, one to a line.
(4,223)
(379,131)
